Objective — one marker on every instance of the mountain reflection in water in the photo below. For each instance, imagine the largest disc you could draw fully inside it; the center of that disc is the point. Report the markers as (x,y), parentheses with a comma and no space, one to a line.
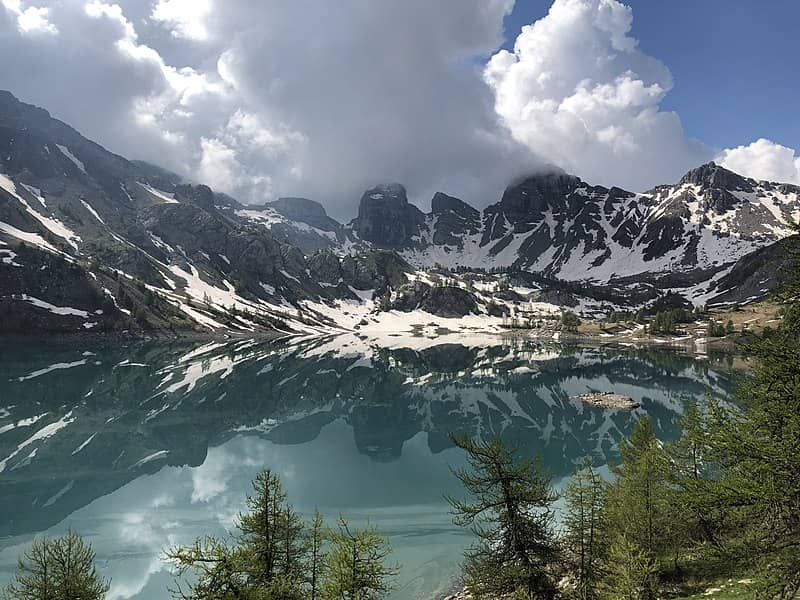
(153,443)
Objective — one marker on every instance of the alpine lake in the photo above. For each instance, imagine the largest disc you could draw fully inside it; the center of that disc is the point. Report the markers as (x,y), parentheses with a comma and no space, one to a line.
(140,446)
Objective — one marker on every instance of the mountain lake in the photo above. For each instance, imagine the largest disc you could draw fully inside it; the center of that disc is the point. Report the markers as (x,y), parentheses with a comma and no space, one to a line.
(139,446)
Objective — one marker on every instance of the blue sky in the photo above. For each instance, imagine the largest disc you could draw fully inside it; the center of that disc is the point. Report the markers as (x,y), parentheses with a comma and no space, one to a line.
(734,62)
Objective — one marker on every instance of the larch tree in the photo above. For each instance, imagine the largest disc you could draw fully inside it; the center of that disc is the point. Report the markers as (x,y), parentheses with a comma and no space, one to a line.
(585,530)
(357,566)
(510,512)
(631,573)
(639,500)
(265,561)
(59,568)
(316,562)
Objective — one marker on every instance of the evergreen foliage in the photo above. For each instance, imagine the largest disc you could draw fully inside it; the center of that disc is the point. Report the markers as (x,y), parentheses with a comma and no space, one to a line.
(276,556)
(357,568)
(570,321)
(585,530)
(667,321)
(639,501)
(510,513)
(59,568)
(631,572)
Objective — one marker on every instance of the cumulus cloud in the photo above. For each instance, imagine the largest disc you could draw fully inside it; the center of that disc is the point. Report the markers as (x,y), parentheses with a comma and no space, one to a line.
(324,99)
(187,18)
(32,19)
(763,159)
(265,99)
(578,90)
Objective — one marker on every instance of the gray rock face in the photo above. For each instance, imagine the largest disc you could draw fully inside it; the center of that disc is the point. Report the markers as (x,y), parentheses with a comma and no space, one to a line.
(386,218)
(443,301)
(375,270)
(711,175)
(537,194)
(410,296)
(755,276)
(53,280)
(454,219)
(554,210)
(449,302)
(306,211)
(324,267)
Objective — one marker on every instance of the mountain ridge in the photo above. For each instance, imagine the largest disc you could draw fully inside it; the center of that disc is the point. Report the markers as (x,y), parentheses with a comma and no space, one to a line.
(90,241)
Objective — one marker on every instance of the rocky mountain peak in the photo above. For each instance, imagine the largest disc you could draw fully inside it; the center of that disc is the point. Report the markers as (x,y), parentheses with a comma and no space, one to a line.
(293,206)
(537,193)
(712,175)
(454,219)
(385,217)
(11,107)
(306,211)
(386,192)
(442,203)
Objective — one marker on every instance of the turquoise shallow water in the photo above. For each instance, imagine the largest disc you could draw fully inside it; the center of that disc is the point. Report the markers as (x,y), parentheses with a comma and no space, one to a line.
(146,445)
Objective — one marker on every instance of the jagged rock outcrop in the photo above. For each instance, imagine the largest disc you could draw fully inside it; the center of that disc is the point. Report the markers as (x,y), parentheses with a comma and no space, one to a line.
(453,218)
(324,267)
(442,301)
(305,211)
(375,270)
(386,218)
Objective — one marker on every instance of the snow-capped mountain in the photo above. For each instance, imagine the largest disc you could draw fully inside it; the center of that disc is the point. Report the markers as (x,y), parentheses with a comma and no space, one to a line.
(90,241)
(558,225)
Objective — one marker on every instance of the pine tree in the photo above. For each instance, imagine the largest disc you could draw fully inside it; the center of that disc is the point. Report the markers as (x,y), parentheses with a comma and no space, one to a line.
(317,555)
(632,573)
(271,531)
(356,566)
(57,569)
(755,455)
(267,559)
(585,529)
(511,514)
(639,500)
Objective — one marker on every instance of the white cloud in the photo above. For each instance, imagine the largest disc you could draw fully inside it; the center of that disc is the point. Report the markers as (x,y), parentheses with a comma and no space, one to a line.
(763,159)
(31,19)
(186,17)
(317,98)
(578,91)
(324,99)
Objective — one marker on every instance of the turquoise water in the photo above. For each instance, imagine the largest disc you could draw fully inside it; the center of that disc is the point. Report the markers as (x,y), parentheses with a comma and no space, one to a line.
(142,446)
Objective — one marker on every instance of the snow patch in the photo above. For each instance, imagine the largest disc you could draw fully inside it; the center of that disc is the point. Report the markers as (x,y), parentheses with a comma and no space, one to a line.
(66,152)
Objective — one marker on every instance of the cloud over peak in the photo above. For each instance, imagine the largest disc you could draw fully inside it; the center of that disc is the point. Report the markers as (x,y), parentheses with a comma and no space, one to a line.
(324,99)
(579,91)
(763,160)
